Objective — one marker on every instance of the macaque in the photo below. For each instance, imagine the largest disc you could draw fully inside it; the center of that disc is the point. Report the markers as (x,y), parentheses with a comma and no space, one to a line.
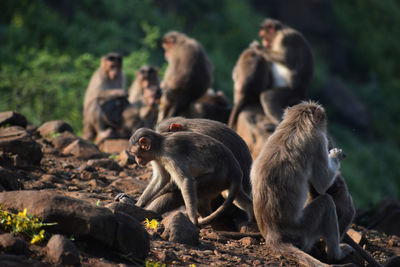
(200,166)
(294,158)
(108,76)
(187,77)
(146,77)
(212,105)
(218,131)
(251,76)
(292,67)
(104,117)
(143,112)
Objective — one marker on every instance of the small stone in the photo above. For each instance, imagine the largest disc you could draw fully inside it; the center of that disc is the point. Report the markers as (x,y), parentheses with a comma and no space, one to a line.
(61,250)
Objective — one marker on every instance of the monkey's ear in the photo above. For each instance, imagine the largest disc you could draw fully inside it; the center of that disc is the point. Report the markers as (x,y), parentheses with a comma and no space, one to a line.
(144,143)
(319,115)
(175,127)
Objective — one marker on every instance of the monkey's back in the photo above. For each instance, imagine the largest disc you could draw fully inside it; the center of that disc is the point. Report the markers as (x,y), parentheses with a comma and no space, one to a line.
(222,133)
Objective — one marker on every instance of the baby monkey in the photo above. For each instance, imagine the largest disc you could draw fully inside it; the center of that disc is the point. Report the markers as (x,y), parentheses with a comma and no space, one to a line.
(199,165)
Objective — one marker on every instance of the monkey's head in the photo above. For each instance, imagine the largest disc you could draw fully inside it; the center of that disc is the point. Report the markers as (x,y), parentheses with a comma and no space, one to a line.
(170,39)
(174,124)
(268,29)
(147,75)
(307,113)
(152,96)
(111,65)
(144,144)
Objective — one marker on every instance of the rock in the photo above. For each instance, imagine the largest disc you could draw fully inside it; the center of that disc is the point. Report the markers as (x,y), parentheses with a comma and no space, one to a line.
(358,237)
(387,217)
(80,218)
(248,241)
(61,250)
(16,140)
(12,118)
(7,260)
(251,127)
(63,140)
(178,228)
(12,244)
(104,163)
(132,210)
(52,129)
(124,158)
(129,185)
(9,179)
(114,145)
(83,149)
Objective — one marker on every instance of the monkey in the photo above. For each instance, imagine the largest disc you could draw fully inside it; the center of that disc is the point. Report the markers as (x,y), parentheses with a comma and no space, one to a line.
(143,112)
(212,105)
(105,115)
(108,76)
(251,76)
(292,67)
(199,165)
(146,77)
(218,131)
(295,156)
(188,74)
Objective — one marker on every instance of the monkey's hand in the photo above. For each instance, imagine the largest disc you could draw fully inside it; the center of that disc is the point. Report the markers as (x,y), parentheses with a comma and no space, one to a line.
(337,153)
(125,198)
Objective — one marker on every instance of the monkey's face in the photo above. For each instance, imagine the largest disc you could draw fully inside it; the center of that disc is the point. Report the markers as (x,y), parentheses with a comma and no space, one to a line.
(152,96)
(141,150)
(112,69)
(267,35)
(168,44)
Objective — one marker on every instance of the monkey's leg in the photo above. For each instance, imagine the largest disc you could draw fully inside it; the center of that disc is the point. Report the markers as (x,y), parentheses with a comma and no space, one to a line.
(243,202)
(166,202)
(319,220)
(275,100)
(156,184)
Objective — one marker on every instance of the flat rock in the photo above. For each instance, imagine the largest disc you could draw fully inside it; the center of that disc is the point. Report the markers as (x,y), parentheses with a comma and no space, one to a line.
(12,118)
(62,251)
(83,149)
(108,164)
(129,185)
(51,128)
(17,141)
(178,228)
(125,159)
(80,218)
(114,145)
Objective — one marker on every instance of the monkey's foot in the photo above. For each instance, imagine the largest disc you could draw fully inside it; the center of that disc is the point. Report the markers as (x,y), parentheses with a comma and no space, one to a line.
(125,198)
(344,251)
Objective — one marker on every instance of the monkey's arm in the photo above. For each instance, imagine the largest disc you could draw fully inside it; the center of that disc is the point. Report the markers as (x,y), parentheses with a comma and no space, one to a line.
(325,168)
(186,183)
(159,179)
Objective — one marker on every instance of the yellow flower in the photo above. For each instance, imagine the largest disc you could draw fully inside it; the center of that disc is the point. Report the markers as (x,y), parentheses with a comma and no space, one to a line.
(153,224)
(38,237)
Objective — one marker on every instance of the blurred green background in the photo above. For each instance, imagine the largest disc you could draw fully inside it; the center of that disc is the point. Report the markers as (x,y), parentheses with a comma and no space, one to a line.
(49,49)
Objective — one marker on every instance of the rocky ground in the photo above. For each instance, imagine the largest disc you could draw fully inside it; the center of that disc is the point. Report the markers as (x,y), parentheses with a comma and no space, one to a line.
(60,178)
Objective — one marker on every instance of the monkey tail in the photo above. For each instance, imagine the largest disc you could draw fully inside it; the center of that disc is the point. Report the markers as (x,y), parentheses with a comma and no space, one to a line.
(292,253)
(233,191)
(235,113)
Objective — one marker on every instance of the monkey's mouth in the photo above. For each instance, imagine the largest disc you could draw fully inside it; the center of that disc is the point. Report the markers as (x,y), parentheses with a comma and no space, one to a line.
(140,160)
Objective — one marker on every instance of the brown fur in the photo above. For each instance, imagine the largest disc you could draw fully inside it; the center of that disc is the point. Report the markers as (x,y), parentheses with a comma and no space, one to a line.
(187,77)
(292,67)
(146,77)
(200,166)
(251,76)
(295,156)
(108,76)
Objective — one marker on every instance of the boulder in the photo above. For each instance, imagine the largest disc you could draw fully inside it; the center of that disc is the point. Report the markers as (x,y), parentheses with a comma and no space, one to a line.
(12,244)
(63,140)
(83,149)
(80,218)
(108,164)
(16,140)
(12,118)
(51,129)
(62,251)
(132,210)
(178,228)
